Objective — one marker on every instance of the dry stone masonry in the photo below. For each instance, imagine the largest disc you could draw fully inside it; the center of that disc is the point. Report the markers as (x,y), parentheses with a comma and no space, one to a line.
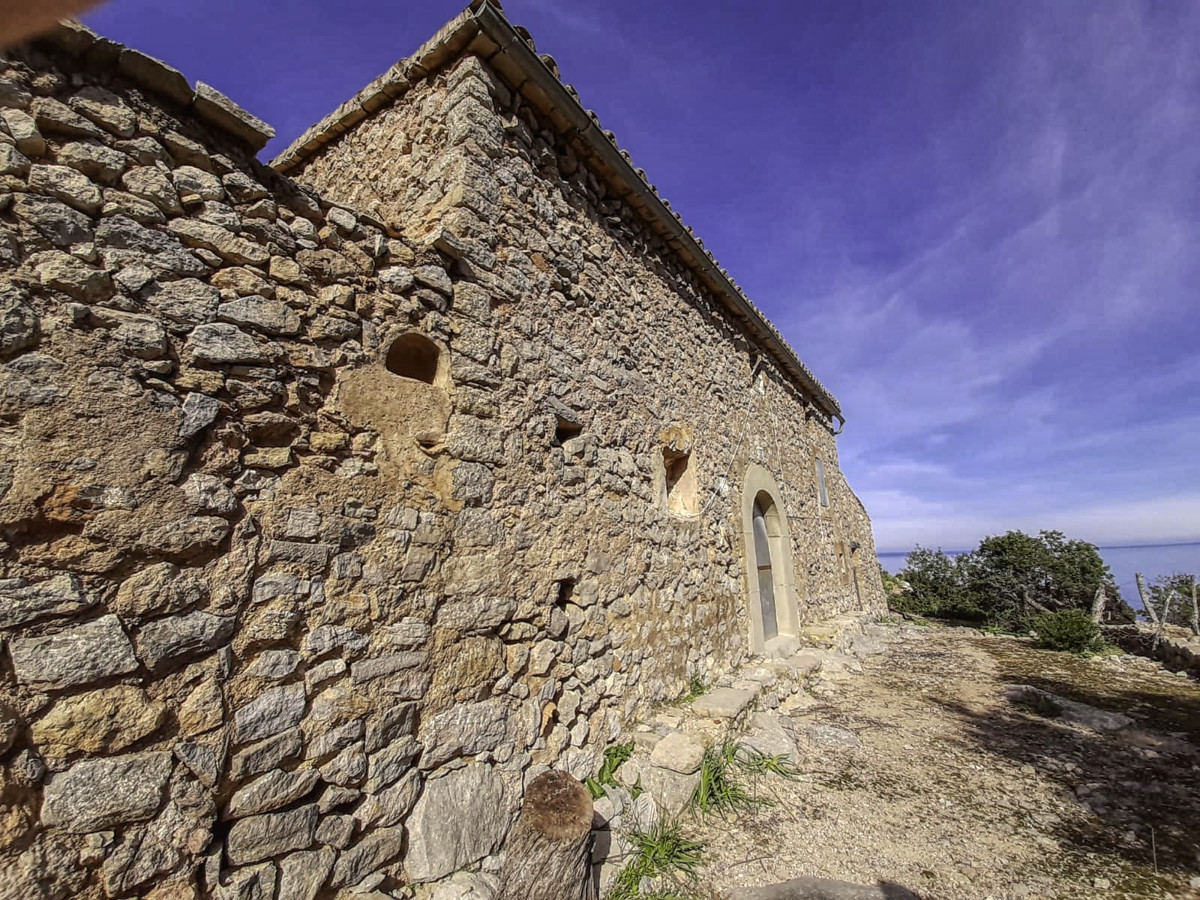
(340,499)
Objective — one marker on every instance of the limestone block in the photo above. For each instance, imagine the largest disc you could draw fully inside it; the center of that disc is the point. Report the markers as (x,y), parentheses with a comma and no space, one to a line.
(189,301)
(348,768)
(55,221)
(274,710)
(336,831)
(155,75)
(105,109)
(365,670)
(224,243)
(723,703)
(19,325)
(65,184)
(224,344)
(387,765)
(327,638)
(13,161)
(679,752)
(203,760)
(191,180)
(65,273)
(248,883)
(460,818)
(96,794)
(167,640)
(274,665)
(271,316)
(102,721)
(214,106)
(156,590)
(56,117)
(768,736)
(13,95)
(152,850)
(672,791)
(390,724)
(24,132)
(61,595)
(261,837)
(373,851)
(274,789)
(267,754)
(209,494)
(390,805)
(464,730)
(151,184)
(78,655)
(324,745)
(302,874)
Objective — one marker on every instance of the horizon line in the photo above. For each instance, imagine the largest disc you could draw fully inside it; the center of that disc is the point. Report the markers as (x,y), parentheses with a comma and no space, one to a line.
(1194,542)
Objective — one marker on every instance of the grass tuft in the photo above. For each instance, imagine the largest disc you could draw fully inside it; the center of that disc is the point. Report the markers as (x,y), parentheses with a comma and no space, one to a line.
(721,772)
(719,789)
(697,687)
(758,764)
(660,851)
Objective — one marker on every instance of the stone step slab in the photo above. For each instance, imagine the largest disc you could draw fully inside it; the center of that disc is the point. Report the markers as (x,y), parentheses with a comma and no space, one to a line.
(723,703)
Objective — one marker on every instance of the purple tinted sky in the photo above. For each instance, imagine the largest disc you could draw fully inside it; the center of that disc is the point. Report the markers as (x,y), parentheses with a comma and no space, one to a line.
(977,222)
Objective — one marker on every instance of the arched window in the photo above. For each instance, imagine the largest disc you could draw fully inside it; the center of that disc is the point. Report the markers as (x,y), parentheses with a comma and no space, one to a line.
(413,356)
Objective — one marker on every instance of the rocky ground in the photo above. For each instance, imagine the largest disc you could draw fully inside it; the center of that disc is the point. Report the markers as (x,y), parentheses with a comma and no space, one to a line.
(916,770)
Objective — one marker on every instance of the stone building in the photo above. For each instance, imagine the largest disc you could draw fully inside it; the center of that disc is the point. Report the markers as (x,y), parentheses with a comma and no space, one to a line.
(341,496)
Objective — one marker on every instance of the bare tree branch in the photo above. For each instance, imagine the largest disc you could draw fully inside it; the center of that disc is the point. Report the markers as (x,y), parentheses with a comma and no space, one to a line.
(1145,595)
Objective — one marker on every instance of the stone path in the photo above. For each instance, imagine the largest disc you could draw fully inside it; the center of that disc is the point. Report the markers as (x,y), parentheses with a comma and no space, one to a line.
(919,773)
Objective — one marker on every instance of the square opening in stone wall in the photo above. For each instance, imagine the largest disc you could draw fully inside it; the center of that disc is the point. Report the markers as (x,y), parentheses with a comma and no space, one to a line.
(564,430)
(680,481)
(564,591)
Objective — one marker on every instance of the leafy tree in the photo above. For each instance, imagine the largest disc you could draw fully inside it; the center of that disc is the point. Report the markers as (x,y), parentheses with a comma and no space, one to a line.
(1010,578)
(936,587)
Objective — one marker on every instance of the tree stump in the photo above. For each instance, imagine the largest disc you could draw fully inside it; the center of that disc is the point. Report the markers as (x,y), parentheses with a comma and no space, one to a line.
(549,853)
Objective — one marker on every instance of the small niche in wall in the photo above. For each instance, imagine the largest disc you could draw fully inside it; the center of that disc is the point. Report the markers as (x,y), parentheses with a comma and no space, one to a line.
(564,430)
(413,356)
(564,592)
(680,481)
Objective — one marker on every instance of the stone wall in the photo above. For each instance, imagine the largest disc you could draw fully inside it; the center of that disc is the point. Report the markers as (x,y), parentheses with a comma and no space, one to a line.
(1176,648)
(278,621)
(595,320)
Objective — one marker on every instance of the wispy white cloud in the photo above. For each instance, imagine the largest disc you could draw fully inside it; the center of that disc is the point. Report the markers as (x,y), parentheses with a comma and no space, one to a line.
(1026,364)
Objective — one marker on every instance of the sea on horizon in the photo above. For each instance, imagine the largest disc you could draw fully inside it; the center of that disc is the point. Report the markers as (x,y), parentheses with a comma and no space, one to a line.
(1152,560)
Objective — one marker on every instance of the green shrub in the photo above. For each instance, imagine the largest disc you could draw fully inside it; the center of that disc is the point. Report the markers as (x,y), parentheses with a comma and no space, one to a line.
(1070,629)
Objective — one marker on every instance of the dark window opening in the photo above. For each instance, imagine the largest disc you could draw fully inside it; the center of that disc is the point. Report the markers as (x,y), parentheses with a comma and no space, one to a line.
(564,430)
(564,592)
(413,356)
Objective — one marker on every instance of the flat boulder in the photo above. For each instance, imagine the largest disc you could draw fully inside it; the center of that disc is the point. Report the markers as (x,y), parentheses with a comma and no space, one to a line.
(723,703)
(460,818)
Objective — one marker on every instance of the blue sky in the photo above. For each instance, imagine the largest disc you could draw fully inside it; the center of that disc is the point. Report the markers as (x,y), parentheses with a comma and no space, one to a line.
(977,222)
